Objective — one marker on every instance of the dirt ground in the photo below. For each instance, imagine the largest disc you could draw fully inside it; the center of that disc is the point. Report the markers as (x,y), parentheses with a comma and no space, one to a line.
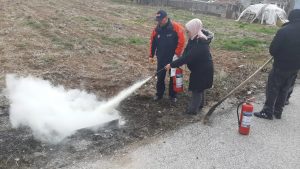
(100,47)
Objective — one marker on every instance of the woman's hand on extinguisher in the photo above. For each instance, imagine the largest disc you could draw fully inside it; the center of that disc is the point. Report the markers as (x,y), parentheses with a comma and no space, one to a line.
(168,67)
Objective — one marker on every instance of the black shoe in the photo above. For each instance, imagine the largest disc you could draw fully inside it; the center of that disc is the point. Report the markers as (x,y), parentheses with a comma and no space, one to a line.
(263,115)
(277,115)
(173,99)
(287,102)
(157,98)
(190,112)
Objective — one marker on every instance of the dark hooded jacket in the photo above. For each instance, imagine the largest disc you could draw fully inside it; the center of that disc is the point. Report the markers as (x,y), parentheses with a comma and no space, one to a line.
(285,47)
(198,58)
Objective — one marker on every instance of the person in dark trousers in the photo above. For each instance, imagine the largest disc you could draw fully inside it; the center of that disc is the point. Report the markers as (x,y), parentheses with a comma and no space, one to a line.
(285,48)
(198,58)
(167,43)
(290,91)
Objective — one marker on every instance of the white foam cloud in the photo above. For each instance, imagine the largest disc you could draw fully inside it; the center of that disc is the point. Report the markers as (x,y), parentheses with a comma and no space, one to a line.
(54,113)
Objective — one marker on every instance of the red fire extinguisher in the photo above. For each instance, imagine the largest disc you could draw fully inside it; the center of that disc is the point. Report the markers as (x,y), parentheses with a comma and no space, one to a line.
(244,120)
(178,80)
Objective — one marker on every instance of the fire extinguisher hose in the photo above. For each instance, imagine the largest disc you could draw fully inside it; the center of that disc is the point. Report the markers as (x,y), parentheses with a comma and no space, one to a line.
(237,113)
(157,73)
(212,109)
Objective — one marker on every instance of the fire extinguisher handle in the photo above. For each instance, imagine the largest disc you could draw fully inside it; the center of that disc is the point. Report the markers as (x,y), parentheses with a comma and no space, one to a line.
(237,113)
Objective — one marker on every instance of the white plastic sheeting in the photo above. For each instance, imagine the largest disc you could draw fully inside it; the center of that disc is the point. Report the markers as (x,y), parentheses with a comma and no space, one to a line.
(265,13)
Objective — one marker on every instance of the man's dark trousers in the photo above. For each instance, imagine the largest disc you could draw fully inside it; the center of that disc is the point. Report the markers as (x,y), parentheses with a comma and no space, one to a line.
(291,89)
(278,86)
(160,85)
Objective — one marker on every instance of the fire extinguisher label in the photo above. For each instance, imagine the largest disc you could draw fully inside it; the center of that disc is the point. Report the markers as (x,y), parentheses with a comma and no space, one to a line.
(246,119)
(173,72)
(179,82)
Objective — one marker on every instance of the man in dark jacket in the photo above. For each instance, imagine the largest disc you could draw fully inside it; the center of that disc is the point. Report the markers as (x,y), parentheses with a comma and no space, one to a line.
(167,42)
(285,48)
(198,58)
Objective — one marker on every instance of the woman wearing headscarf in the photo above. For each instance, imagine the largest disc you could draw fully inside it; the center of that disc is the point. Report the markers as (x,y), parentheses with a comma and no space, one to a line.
(199,61)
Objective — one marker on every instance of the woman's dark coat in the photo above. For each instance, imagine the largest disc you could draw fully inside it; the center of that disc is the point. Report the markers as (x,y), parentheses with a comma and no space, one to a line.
(199,61)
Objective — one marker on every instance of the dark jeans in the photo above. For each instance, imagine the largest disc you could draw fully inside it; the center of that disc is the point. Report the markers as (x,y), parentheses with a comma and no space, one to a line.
(197,101)
(279,83)
(160,85)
